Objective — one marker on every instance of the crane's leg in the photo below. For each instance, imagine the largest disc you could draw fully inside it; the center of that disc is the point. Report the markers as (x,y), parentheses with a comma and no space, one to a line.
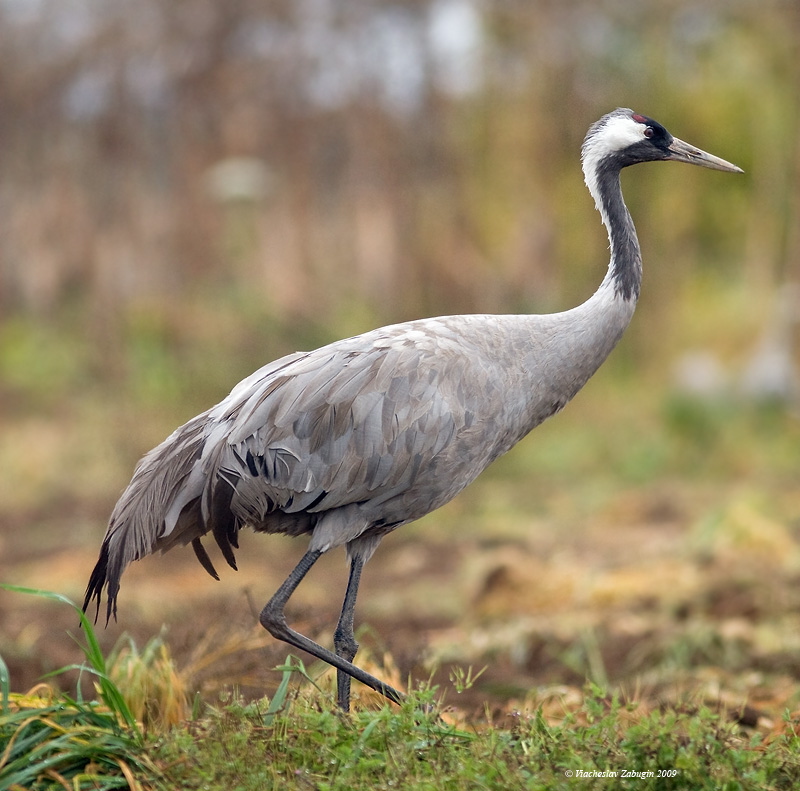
(274,621)
(344,639)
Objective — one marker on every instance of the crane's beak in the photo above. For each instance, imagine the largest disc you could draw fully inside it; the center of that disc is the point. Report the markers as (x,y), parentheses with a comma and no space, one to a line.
(683,152)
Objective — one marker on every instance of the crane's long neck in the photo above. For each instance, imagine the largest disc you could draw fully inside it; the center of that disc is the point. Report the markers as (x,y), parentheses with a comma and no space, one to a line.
(579,340)
(625,268)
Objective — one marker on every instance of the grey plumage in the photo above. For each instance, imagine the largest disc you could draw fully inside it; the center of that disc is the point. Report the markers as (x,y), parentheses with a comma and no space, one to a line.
(350,441)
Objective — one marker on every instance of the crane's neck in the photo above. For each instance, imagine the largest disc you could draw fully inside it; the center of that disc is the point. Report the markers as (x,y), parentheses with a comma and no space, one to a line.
(624,275)
(577,341)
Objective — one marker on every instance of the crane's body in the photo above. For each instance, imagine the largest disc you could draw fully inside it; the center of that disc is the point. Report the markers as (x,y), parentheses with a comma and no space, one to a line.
(352,440)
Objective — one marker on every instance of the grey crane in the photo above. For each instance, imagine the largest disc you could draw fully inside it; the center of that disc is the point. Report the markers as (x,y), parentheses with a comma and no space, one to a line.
(350,441)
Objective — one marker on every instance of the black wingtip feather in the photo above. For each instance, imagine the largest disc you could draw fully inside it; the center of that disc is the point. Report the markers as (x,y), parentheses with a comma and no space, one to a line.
(205,560)
(94,590)
(224,526)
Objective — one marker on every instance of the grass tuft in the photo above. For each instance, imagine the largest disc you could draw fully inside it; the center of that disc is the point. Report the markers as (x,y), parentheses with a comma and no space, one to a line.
(51,740)
(154,691)
(109,691)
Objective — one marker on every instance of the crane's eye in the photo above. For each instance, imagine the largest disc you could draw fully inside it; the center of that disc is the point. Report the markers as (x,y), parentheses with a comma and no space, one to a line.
(649,131)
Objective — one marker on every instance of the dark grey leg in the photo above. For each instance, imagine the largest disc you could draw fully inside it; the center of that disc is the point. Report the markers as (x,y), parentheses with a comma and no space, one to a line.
(344,639)
(274,621)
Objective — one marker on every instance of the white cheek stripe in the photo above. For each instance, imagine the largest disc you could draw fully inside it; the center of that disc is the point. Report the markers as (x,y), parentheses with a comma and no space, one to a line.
(620,133)
(617,134)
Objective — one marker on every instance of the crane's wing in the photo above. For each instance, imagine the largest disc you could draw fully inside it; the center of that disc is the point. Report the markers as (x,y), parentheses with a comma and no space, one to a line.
(365,423)
(342,426)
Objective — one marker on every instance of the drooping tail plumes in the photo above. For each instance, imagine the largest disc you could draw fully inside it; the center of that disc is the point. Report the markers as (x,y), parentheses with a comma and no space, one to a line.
(159,508)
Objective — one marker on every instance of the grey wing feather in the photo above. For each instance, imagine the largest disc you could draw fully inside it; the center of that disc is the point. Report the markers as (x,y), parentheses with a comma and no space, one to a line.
(347,429)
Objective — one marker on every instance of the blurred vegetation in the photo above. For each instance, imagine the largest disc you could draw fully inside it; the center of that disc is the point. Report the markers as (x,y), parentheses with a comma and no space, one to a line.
(190,189)
(340,163)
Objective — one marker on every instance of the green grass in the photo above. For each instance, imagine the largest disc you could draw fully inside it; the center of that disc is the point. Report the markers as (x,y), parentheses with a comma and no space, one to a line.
(300,740)
(61,742)
(311,745)
(53,740)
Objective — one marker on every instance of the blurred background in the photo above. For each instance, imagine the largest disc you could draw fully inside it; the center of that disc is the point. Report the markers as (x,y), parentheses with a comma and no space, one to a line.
(190,189)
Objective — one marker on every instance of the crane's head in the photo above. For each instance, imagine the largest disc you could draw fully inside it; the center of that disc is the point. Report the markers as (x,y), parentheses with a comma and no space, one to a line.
(624,138)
